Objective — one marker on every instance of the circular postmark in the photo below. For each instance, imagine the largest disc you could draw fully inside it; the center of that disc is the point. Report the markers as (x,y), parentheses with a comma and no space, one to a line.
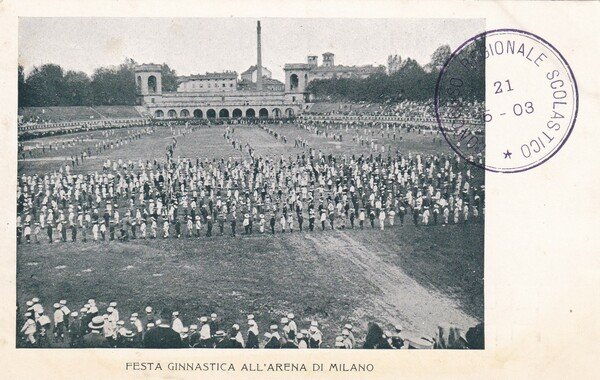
(506,100)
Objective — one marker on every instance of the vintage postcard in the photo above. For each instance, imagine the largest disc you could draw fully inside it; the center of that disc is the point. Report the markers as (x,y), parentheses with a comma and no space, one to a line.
(187,178)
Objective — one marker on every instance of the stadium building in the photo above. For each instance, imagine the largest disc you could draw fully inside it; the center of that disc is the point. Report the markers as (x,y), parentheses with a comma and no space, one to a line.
(329,70)
(222,95)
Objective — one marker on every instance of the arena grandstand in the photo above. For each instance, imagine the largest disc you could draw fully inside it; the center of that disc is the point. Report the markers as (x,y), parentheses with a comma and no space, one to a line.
(36,122)
(53,115)
(473,111)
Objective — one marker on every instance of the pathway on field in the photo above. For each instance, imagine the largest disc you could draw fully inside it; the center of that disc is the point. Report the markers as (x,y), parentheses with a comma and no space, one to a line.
(398,297)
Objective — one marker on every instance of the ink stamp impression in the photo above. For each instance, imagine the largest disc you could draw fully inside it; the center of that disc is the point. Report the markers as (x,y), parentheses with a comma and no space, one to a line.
(531,100)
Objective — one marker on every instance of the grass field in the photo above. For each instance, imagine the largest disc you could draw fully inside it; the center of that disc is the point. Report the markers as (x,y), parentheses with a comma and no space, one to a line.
(417,276)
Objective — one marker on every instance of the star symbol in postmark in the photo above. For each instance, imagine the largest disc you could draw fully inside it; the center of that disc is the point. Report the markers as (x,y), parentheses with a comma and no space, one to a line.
(507,154)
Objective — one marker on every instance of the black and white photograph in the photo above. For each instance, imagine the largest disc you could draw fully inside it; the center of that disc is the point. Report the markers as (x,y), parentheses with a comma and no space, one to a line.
(249,183)
(409,187)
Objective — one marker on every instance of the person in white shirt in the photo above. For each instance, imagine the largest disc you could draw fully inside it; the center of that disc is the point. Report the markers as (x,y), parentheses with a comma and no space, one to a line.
(44,323)
(135,320)
(382,219)
(205,337)
(59,322)
(391,215)
(29,329)
(282,221)
(292,324)
(177,325)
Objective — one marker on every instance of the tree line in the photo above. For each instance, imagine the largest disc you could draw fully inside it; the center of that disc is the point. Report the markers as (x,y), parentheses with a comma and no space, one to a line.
(411,82)
(51,85)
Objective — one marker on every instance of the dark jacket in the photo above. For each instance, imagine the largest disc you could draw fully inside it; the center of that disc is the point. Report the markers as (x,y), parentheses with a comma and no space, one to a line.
(162,336)
(252,341)
(95,340)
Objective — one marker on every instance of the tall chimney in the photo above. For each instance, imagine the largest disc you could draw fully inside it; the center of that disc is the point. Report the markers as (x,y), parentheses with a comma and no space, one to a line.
(259,77)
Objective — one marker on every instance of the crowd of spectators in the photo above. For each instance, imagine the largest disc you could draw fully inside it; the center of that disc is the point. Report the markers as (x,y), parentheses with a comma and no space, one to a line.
(103,325)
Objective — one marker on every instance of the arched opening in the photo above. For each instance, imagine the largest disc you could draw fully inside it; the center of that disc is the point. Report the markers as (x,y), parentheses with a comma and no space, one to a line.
(263,113)
(184,113)
(159,113)
(289,112)
(172,114)
(211,114)
(139,83)
(198,114)
(293,82)
(237,112)
(276,112)
(224,113)
(152,84)
(250,113)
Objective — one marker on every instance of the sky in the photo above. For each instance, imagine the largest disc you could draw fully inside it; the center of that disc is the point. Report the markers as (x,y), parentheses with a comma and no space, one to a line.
(197,45)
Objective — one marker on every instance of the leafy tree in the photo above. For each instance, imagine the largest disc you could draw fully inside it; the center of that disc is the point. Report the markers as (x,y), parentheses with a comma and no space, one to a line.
(22,87)
(45,86)
(169,78)
(114,85)
(410,82)
(77,89)
(439,57)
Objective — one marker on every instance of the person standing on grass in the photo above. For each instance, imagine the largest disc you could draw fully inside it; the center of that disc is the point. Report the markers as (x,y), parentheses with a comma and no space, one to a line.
(111,229)
(272,224)
(153,228)
(95,338)
(177,325)
(261,224)
(36,233)
(290,222)
(300,220)
(165,229)
(177,228)
(425,216)
(382,219)
(246,224)
(73,231)
(163,336)
(233,224)
(205,335)
(222,220)
(315,336)
(198,226)
(143,228)
(29,329)
(282,222)
(252,336)
(361,218)
(59,231)
(59,324)
(391,215)
(44,324)
(190,226)
(74,331)
(372,218)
